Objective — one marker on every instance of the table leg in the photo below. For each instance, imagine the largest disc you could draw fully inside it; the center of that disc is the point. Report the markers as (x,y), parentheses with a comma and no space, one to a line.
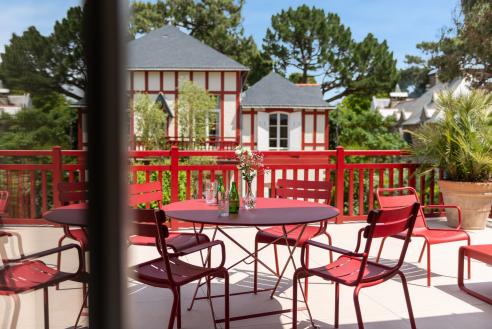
(291,252)
(199,284)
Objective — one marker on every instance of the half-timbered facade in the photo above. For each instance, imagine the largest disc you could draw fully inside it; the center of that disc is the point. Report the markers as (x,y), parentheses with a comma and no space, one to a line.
(163,59)
(280,115)
(273,114)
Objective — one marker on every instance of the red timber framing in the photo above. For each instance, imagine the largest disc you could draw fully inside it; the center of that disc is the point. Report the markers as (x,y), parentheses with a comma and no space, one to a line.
(30,176)
(314,144)
(221,93)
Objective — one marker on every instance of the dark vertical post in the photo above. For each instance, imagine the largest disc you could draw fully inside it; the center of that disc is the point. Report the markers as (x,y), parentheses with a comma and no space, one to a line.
(105,41)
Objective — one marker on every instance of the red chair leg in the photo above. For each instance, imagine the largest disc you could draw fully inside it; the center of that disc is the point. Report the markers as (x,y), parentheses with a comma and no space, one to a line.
(84,303)
(306,280)
(255,269)
(295,282)
(469,262)
(330,243)
(461,261)
(407,299)
(46,309)
(226,300)
(58,258)
(337,303)
(178,311)
(173,308)
(422,252)
(276,259)
(380,249)
(428,264)
(357,307)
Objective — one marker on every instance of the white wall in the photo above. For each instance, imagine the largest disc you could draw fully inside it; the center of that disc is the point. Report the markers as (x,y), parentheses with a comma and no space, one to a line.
(229,115)
(214,81)
(139,81)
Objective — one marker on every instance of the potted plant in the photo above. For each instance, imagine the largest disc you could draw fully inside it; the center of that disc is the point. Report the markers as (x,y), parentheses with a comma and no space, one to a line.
(461,145)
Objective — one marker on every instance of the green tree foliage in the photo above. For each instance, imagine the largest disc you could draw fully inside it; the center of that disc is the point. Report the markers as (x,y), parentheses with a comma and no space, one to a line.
(195,112)
(466,47)
(48,123)
(46,64)
(298,38)
(150,123)
(296,77)
(215,22)
(312,41)
(361,128)
(415,76)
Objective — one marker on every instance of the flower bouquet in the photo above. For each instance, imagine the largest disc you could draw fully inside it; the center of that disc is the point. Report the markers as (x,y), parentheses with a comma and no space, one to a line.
(249,163)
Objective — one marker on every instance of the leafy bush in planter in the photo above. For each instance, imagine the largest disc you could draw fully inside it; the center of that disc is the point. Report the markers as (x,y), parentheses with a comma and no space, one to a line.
(461,143)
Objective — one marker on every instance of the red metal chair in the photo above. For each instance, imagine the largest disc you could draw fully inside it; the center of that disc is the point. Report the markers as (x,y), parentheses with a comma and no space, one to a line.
(390,198)
(354,269)
(295,189)
(169,271)
(4,197)
(148,193)
(28,273)
(482,253)
(74,192)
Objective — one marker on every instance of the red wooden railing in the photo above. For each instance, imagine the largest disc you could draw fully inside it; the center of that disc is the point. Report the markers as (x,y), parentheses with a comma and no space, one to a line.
(31,175)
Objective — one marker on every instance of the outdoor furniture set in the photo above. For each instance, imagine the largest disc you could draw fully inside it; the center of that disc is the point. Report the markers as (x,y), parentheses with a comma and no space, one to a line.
(283,221)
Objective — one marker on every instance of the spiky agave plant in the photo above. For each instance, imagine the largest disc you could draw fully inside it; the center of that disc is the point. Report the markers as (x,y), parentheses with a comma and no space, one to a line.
(460,144)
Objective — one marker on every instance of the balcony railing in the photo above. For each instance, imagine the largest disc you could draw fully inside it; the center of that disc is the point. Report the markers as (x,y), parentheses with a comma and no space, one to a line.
(30,176)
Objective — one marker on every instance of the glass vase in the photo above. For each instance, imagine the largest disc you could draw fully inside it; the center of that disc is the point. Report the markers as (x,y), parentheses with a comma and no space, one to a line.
(249,199)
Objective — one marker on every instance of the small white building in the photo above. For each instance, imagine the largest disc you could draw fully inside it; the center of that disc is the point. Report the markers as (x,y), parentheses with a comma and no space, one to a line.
(280,115)
(273,114)
(12,104)
(410,113)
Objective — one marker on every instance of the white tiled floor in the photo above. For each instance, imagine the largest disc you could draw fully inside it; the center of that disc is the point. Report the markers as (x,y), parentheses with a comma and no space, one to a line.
(441,306)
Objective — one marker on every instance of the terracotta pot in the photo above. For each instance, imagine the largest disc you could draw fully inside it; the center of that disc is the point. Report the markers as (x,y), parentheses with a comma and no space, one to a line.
(474,199)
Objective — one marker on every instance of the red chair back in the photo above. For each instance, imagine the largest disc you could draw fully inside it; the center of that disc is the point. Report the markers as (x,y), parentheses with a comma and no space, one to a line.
(391,198)
(151,223)
(388,222)
(300,189)
(4,197)
(144,193)
(73,192)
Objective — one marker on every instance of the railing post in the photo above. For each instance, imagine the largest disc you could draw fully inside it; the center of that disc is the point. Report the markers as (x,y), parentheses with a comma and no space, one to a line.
(340,179)
(56,160)
(260,184)
(174,174)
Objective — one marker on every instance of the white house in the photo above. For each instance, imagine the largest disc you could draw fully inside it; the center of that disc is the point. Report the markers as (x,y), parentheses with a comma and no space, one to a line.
(273,114)
(12,104)
(410,113)
(280,115)
(160,61)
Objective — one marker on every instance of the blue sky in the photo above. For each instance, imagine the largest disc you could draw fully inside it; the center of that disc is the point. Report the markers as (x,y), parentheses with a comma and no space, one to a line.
(403,23)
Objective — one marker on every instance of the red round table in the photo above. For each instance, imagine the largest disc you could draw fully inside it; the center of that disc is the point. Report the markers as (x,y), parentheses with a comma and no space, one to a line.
(268,212)
(72,215)
(292,215)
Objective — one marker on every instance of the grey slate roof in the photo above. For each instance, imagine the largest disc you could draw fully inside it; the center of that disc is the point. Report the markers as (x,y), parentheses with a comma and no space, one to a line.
(416,106)
(275,91)
(168,48)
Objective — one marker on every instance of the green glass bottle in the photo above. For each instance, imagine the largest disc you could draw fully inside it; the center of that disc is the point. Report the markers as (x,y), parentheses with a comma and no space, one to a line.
(233,199)
(220,190)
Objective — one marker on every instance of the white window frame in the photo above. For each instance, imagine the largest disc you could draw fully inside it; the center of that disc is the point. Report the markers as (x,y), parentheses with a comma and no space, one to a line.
(216,111)
(278,126)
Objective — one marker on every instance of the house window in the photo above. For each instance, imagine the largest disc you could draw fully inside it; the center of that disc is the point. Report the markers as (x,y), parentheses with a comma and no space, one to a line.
(213,122)
(279,131)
